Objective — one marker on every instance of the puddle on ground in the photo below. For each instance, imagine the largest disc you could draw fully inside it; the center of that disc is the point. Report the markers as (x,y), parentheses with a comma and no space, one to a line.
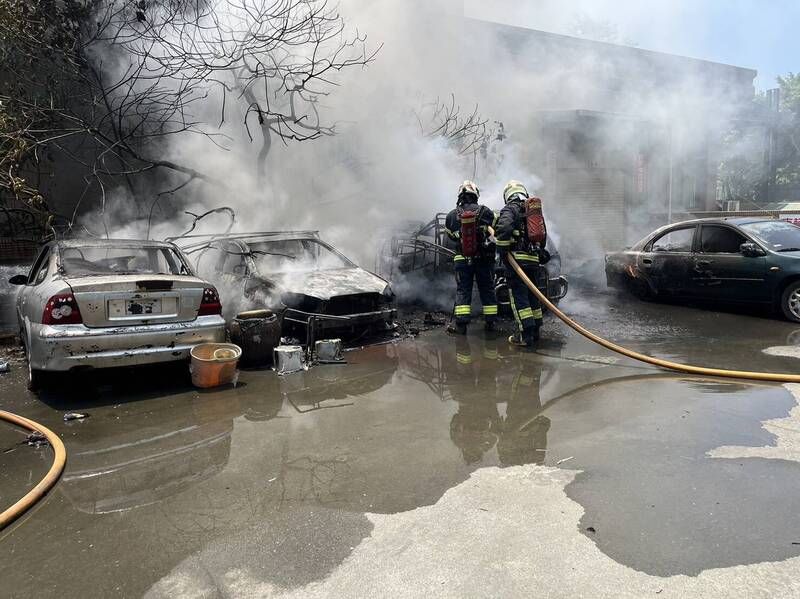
(293,464)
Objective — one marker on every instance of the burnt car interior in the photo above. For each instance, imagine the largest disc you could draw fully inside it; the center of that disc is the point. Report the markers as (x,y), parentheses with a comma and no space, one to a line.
(261,262)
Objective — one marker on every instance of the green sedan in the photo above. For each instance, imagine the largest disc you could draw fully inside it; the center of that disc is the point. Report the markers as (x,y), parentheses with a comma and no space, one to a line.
(752,260)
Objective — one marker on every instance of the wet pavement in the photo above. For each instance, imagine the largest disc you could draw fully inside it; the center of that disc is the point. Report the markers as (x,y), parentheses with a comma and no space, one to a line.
(435,465)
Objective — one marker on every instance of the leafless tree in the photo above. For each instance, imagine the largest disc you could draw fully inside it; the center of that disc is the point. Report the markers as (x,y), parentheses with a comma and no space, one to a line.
(105,84)
(468,134)
(278,58)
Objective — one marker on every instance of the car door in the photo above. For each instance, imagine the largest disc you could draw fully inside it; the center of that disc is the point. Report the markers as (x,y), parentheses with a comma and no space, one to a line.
(666,260)
(720,270)
(29,304)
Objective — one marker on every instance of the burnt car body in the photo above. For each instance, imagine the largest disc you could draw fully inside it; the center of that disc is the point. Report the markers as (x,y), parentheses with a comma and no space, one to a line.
(97,303)
(424,250)
(315,287)
(739,260)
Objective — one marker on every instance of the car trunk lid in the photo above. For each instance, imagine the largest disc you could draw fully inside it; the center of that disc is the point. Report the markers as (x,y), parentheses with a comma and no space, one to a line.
(122,300)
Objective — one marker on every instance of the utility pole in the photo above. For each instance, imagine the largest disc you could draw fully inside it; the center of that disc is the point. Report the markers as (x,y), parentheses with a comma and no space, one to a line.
(774,106)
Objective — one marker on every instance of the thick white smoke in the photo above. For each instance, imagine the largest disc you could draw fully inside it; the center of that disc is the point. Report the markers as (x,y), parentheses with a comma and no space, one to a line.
(379,170)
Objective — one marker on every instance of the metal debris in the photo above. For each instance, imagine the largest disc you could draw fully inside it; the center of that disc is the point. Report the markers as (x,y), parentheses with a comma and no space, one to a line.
(74,416)
(289,359)
(37,440)
(329,351)
(4,367)
(559,462)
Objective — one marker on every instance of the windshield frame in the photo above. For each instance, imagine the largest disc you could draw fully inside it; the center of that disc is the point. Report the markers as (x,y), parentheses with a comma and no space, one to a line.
(348,263)
(761,241)
(184,268)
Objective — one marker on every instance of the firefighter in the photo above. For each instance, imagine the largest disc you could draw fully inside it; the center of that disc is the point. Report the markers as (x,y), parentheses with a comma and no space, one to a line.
(475,427)
(523,432)
(512,236)
(468,226)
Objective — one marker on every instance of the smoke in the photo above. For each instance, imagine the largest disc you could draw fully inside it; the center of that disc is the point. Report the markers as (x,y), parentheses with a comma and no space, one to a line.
(379,169)
(8,296)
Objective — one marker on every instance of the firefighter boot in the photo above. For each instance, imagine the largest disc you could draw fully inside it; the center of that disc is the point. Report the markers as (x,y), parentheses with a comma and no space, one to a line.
(531,336)
(517,340)
(527,338)
(488,326)
(457,328)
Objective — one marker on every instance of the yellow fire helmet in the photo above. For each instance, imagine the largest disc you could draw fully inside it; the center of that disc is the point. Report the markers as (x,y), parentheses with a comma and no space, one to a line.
(469,187)
(512,188)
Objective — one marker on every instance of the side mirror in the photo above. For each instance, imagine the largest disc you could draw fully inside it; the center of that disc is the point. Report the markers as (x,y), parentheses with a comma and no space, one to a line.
(19,280)
(750,249)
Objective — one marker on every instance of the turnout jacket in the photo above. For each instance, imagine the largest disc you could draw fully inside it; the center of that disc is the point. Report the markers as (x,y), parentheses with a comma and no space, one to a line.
(511,233)
(485,218)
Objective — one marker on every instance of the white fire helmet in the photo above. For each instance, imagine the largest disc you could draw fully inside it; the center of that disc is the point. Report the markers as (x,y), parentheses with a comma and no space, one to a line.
(512,188)
(469,187)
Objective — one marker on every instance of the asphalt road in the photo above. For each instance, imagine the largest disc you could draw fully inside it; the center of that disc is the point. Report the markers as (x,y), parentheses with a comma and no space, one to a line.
(434,466)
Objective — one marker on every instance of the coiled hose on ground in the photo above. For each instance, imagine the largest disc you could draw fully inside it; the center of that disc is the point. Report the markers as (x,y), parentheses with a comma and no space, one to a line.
(733,374)
(50,479)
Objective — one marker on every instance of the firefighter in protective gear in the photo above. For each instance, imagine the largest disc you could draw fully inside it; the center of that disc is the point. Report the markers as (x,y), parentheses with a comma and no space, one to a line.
(467,225)
(485,380)
(512,237)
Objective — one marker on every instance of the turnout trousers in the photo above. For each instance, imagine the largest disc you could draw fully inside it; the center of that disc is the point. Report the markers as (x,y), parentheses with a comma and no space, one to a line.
(524,304)
(480,271)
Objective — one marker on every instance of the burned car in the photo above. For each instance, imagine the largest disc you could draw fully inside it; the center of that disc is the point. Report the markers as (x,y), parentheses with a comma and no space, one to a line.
(752,260)
(421,257)
(315,287)
(88,303)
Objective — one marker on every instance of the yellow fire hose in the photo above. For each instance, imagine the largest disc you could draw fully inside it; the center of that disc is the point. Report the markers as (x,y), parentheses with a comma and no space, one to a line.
(50,479)
(733,374)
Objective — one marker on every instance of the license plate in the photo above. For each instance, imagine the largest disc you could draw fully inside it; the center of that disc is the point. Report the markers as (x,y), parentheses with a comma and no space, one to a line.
(134,307)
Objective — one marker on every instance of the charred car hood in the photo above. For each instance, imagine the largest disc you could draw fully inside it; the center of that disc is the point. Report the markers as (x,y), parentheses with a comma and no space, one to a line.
(325,284)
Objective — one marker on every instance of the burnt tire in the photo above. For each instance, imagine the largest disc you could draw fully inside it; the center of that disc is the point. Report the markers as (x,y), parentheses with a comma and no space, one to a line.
(790,302)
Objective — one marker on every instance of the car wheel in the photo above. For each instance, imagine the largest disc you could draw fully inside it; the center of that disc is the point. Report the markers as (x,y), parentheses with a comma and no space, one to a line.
(35,377)
(790,302)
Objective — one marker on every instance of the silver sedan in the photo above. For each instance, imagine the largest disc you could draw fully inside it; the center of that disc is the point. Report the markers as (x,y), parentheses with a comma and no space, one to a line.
(103,303)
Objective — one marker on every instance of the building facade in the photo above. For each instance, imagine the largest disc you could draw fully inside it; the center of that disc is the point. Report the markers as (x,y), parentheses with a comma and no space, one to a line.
(623,139)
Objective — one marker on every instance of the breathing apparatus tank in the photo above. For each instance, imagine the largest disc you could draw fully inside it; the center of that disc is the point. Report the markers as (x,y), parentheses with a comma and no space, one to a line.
(534,222)
(469,232)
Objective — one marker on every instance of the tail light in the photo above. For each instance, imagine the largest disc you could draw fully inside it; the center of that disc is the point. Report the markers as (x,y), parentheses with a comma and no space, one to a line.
(62,309)
(210,303)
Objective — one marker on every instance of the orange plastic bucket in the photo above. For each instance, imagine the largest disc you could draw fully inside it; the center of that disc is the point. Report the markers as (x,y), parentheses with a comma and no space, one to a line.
(214,364)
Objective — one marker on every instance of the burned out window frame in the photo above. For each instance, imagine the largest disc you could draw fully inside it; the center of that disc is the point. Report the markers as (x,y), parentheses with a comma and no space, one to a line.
(234,248)
(648,248)
(253,266)
(216,264)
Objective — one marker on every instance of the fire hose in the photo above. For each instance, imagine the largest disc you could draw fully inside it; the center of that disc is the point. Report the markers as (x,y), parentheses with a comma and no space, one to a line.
(50,479)
(733,374)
